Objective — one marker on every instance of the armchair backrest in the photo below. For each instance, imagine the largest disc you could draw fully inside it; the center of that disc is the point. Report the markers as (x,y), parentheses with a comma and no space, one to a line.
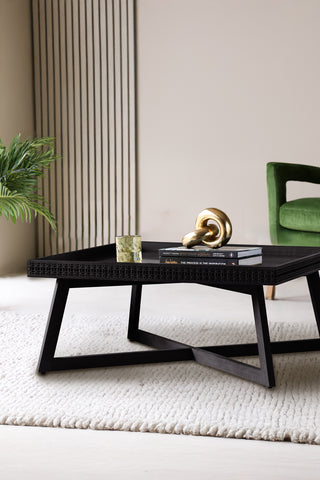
(278,174)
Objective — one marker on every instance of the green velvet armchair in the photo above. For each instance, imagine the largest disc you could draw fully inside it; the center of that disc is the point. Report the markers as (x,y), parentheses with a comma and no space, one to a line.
(296,222)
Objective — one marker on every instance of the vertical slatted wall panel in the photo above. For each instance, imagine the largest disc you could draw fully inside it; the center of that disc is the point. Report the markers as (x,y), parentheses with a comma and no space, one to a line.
(84,69)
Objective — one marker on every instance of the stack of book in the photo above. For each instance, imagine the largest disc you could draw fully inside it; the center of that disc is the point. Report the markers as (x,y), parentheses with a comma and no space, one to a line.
(202,255)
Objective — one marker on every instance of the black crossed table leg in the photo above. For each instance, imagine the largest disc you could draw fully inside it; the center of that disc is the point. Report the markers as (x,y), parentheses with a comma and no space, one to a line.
(170,350)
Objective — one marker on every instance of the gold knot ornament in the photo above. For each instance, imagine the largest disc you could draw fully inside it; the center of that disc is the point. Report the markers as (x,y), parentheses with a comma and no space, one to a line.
(213,235)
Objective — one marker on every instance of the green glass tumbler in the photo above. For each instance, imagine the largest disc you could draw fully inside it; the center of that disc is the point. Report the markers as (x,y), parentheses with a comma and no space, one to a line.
(129,248)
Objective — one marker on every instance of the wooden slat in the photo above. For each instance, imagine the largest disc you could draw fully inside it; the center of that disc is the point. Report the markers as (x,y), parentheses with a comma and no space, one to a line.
(84,70)
(38,103)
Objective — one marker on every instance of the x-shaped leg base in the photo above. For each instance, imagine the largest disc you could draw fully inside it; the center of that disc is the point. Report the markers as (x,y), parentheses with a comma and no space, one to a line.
(169,350)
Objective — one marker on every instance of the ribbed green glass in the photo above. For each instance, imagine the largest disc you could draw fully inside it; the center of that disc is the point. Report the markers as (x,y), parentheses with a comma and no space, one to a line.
(129,248)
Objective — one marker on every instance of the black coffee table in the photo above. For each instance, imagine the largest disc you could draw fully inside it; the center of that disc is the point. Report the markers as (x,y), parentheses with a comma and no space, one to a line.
(96,267)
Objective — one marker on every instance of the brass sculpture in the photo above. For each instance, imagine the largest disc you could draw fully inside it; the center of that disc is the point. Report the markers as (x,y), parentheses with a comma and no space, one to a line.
(213,235)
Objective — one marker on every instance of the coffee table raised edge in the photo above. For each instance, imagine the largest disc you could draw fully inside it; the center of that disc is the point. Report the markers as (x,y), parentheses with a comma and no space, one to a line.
(97,267)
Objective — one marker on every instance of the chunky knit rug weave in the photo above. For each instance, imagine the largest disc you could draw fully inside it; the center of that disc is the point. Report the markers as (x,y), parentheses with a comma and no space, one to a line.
(180,398)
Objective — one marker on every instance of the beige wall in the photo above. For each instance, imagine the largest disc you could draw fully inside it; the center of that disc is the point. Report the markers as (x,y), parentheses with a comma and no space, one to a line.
(223,88)
(17,242)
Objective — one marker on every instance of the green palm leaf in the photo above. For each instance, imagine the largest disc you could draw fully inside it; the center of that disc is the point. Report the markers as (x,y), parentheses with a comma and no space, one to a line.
(13,205)
(20,167)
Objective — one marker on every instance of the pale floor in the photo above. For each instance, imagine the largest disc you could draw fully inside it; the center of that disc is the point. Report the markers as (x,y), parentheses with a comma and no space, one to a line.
(32,452)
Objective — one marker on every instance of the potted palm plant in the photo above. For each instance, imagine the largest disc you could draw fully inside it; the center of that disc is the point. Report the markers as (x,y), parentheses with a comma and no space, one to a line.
(21,164)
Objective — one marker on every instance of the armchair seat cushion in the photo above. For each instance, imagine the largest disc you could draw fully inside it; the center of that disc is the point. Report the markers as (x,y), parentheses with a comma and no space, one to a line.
(302,214)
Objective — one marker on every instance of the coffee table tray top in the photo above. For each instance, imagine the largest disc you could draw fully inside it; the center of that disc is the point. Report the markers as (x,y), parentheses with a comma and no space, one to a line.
(280,264)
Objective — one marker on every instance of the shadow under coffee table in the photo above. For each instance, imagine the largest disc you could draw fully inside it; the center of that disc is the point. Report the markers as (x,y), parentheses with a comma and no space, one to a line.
(96,267)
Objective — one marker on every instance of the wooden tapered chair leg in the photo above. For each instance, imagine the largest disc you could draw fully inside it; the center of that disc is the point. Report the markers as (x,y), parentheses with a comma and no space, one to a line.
(271,291)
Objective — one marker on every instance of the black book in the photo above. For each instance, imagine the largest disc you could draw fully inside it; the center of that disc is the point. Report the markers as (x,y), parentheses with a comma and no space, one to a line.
(179,260)
(200,251)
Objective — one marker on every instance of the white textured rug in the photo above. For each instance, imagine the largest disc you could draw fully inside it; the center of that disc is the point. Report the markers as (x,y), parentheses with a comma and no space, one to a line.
(181,398)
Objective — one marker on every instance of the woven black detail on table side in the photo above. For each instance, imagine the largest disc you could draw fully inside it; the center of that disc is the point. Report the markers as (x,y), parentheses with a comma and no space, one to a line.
(280,264)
